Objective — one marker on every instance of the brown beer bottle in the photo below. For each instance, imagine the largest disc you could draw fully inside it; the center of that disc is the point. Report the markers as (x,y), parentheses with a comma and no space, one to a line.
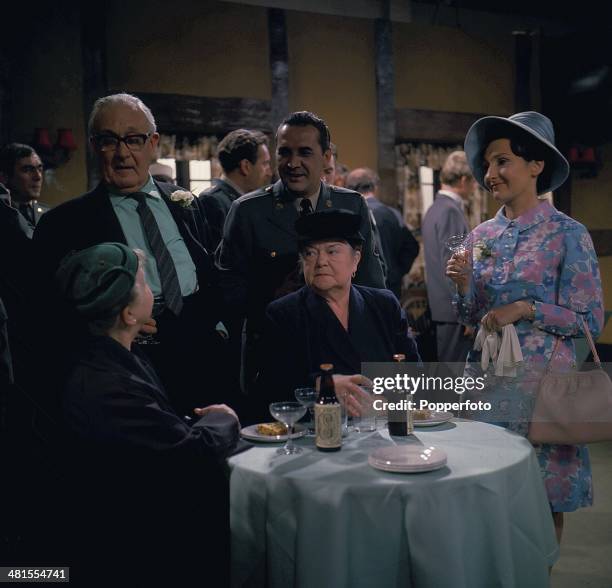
(328,413)
(400,421)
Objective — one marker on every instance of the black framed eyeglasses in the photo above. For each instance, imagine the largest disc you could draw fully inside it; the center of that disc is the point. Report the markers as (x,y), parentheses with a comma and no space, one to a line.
(110,141)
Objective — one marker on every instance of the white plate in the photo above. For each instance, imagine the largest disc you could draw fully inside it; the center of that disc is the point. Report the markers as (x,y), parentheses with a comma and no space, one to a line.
(251,433)
(407,458)
(436,418)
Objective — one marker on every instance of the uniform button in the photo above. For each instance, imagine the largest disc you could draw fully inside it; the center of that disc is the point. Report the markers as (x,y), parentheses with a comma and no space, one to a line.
(279,205)
(328,203)
(272,253)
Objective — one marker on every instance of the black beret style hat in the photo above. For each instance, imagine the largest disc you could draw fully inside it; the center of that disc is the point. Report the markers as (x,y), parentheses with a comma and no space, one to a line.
(97,280)
(336,223)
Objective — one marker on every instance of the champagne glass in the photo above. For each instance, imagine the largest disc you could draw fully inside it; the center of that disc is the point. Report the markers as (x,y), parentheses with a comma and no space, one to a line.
(456,243)
(288,413)
(307,397)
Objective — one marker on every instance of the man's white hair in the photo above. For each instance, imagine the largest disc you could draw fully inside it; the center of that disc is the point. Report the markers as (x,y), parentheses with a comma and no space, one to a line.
(123,98)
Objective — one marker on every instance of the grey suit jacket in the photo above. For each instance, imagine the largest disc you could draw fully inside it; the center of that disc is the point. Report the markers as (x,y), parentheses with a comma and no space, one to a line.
(443,219)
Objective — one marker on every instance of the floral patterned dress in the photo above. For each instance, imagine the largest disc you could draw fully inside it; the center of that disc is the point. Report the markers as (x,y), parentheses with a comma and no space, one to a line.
(546,257)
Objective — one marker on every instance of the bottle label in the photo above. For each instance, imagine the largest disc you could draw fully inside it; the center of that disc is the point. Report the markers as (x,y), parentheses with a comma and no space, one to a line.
(328,425)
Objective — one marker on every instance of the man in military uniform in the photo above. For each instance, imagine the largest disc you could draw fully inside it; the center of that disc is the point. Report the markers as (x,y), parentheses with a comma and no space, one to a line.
(21,171)
(245,160)
(258,253)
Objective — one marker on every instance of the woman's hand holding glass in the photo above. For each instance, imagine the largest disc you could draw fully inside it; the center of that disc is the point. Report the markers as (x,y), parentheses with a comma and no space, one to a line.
(458,269)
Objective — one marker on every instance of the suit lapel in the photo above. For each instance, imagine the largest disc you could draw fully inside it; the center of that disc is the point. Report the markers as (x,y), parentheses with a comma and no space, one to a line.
(325,201)
(185,219)
(106,221)
(283,213)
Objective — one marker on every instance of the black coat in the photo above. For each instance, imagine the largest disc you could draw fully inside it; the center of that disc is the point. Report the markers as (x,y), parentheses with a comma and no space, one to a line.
(216,202)
(399,246)
(148,492)
(302,332)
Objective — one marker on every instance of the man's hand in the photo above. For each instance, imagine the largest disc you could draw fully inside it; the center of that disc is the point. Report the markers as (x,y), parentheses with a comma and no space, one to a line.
(501,316)
(216,408)
(150,327)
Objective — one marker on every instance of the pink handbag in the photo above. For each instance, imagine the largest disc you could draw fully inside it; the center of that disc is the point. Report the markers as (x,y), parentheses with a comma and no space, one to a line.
(575,407)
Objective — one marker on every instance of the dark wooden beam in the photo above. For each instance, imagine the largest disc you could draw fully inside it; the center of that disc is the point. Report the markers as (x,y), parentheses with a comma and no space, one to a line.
(522,71)
(431,126)
(385,104)
(279,65)
(177,113)
(602,240)
(93,50)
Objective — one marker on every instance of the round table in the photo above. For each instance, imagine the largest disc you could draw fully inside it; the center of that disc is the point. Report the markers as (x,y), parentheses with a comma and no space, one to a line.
(330,520)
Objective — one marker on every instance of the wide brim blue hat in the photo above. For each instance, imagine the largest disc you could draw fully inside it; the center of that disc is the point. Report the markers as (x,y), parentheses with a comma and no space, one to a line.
(533,124)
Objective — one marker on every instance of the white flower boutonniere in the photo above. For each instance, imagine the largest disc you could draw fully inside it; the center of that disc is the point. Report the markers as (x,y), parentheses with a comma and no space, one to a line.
(482,250)
(183,197)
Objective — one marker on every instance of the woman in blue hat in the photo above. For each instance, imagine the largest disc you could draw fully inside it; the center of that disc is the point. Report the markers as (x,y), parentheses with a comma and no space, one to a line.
(535,268)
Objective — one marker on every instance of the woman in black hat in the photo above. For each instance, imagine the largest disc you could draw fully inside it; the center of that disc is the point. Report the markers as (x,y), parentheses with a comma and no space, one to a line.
(534,267)
(330,320)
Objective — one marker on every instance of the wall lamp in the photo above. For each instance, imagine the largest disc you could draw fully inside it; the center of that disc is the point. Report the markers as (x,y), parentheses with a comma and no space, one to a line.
(53,156)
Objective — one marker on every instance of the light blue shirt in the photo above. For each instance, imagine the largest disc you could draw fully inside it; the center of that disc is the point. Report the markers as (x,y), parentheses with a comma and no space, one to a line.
(125,209)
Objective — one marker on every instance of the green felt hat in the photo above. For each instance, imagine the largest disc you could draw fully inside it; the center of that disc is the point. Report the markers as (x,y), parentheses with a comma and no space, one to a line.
(98,280)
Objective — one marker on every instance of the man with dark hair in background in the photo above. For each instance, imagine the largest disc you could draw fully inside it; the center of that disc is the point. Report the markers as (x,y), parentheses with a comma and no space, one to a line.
(21,171)
(399,247)
(245,160)
(445,218)
(258,253)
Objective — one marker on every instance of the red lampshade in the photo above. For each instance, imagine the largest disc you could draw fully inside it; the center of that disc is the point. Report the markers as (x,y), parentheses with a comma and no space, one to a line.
(65,139)
(42,141)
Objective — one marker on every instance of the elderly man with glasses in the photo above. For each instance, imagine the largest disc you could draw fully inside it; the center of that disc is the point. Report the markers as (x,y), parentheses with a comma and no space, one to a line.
(130,207)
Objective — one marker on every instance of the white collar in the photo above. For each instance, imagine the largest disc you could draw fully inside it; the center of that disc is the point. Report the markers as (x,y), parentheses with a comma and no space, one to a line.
(453,196)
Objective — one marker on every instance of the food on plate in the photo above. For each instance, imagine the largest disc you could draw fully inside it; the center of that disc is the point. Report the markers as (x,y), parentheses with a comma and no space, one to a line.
(422,415)
(271,429)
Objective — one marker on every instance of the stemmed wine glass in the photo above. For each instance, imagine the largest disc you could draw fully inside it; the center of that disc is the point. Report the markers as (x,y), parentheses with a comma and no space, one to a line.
(288,413)
(456,243)
(307,397)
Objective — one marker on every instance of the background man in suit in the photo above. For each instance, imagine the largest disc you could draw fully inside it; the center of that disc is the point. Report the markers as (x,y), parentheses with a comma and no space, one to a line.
(129,207)
(399,247)
(445,218)
(258,253)
(245,160)
(21,171)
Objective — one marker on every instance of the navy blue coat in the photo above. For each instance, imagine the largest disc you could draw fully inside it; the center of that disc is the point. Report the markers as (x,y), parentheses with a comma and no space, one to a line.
(302,332)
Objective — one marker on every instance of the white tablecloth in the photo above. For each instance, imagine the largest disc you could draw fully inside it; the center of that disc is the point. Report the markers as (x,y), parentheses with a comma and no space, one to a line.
(326,520)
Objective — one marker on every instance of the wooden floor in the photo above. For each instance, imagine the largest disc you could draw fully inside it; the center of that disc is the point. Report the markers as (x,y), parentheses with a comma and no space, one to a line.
(586,549)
